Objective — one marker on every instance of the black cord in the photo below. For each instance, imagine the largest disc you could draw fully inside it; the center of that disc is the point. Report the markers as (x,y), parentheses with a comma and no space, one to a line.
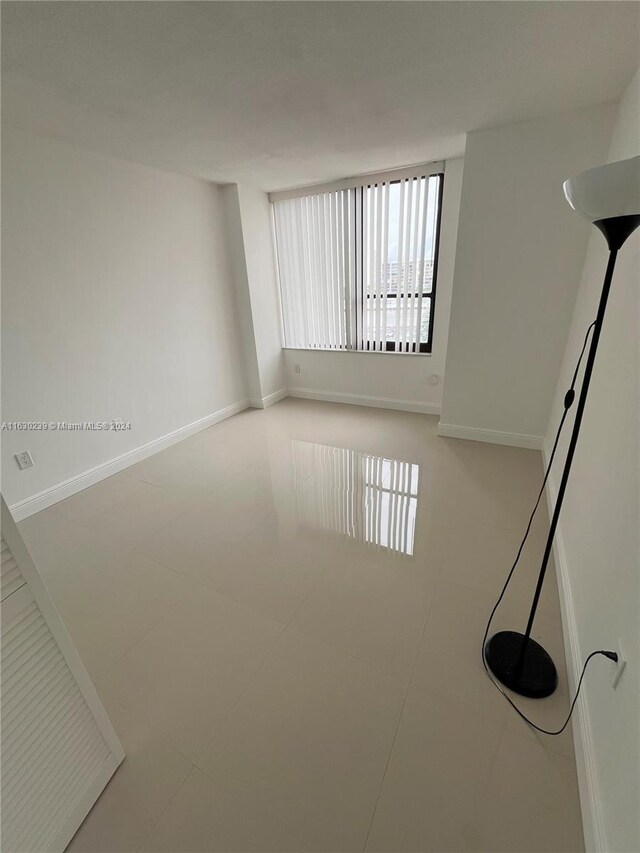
(568,402)
(611,655)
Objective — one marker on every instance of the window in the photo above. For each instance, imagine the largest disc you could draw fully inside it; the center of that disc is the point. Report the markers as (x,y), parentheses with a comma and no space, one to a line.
(358,264)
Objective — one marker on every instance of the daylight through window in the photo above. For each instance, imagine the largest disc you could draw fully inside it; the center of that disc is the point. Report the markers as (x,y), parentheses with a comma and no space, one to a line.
(358,265)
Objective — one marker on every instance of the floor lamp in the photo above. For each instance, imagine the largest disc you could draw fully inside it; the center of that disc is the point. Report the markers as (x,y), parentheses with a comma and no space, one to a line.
(609,197)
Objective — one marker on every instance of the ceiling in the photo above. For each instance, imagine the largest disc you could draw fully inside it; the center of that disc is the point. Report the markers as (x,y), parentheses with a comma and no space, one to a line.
(280,94)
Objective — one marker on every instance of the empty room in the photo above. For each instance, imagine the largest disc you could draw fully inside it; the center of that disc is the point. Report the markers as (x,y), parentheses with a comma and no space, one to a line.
(320,426)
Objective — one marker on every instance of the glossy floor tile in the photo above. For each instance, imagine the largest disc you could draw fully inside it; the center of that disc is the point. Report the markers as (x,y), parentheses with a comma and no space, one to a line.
(185,675)
(283,614)
(308,743)
(429,800)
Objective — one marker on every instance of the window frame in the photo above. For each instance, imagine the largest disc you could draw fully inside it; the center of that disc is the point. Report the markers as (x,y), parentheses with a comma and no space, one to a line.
(418,347)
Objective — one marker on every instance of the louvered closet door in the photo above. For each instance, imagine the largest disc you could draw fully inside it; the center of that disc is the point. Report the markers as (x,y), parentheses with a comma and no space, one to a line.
(12,580)
(57,755)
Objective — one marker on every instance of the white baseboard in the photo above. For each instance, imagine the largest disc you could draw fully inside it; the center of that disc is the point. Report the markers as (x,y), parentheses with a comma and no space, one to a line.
(493,436)
(362,400)
(269,400)
(588,785)
(48,497)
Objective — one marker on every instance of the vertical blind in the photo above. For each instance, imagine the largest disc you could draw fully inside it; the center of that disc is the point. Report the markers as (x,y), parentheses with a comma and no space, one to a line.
(315,259)
(357,265)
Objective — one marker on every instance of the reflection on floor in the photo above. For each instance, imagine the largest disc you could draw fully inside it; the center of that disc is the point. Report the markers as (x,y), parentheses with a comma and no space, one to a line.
(361,495)
(283,616)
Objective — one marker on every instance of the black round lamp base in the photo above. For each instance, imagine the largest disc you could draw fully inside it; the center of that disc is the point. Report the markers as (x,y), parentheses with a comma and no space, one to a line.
(527,670)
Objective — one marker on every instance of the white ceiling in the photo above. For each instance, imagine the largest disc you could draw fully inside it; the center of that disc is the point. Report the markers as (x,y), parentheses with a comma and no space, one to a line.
(289,93)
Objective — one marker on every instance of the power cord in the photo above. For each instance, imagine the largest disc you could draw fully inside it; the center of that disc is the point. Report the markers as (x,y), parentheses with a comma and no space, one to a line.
(568,402)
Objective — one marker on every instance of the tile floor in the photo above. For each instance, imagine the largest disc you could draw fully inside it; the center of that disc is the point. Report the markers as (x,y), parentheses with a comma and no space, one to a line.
(283,617)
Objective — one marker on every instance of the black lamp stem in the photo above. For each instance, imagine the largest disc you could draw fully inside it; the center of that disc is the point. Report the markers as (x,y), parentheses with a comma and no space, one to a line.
(516,659)
(613,254)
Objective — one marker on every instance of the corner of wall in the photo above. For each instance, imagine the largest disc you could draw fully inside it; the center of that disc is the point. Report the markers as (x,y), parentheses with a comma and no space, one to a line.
(512,216)
(238,266)
(262,287)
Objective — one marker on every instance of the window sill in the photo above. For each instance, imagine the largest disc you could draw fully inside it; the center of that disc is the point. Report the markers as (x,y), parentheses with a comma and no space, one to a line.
(360,352)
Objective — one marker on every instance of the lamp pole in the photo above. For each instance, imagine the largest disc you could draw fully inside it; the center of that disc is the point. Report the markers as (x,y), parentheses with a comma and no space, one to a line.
(519,662)
(606,287)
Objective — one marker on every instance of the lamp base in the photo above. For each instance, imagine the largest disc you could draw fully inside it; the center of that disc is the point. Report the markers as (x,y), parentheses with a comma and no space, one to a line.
(527,670)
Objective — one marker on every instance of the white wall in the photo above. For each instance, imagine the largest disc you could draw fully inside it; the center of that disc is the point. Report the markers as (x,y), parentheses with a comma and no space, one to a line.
(238,265)
(117,302)
(519,254)
(255,217)
(599,522)
(389,376)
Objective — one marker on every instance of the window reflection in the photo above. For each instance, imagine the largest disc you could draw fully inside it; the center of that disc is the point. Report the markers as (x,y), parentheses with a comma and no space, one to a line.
(367,497)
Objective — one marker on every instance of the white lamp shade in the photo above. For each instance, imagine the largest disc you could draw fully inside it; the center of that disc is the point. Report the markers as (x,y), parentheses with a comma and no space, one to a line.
(606,191)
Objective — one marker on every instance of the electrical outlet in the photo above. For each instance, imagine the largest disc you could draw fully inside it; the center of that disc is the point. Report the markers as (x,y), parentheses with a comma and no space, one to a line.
(296,368)
(24,460)
(617,668)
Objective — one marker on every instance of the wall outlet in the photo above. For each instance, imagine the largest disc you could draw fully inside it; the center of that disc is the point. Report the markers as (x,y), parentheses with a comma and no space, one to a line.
(296,368)
(617,668)
(24,460)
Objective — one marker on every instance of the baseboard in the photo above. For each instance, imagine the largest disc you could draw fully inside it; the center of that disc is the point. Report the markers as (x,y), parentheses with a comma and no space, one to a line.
(48,497)
(493,436)
(363,400)
(588,785)
(269,400)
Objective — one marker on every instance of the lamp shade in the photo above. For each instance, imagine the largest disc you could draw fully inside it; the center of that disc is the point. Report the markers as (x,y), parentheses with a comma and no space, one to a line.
(607,191)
